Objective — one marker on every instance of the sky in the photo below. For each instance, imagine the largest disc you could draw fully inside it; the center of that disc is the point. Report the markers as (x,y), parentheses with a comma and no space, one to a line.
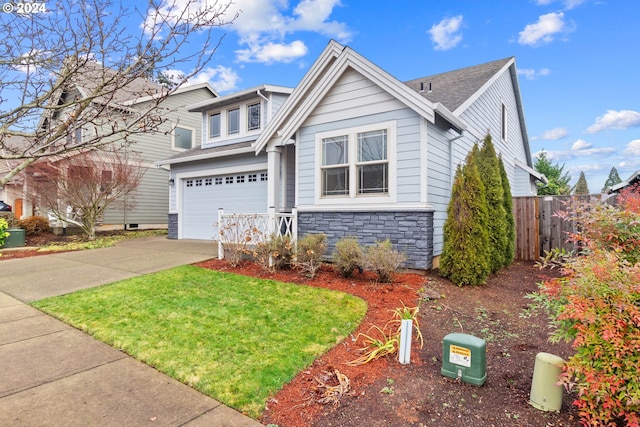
(578,60)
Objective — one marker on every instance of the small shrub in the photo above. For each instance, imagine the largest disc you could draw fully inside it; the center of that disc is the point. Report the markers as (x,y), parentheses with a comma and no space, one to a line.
(237,233)
(35,225)
(382,259)
(347,256)
(276,253)
(283,249)
(311,250)
(4,225)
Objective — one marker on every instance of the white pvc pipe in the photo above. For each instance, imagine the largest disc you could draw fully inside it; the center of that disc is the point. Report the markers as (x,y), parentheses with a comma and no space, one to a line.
(404,352)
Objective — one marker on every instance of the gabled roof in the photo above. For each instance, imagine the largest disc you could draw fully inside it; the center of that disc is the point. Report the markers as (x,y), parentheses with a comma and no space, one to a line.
(453,88)
(633,179)
(321,77)
(232,98)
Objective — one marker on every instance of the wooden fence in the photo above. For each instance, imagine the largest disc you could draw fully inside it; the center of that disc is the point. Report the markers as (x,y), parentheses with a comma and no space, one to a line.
(538,229)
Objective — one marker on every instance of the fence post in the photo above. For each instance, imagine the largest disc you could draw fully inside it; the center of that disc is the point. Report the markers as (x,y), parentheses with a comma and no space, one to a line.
(220,248)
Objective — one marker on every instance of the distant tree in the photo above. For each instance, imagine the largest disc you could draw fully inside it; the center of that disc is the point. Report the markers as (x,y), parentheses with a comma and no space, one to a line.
(489,169)
(581,187)
(558,181)
(78,189)
(509,250)
(465,253)
(612,180)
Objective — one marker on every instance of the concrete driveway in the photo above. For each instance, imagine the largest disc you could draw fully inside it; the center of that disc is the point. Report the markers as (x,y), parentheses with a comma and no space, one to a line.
(31,279)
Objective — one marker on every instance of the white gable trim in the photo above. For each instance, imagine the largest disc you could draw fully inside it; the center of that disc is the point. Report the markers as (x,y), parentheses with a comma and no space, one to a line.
(473,98)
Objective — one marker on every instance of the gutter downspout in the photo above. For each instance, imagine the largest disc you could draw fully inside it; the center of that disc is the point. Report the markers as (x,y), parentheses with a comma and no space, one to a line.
(451,158)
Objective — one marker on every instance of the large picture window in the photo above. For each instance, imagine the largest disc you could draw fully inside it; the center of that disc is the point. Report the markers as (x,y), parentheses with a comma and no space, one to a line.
(355,164)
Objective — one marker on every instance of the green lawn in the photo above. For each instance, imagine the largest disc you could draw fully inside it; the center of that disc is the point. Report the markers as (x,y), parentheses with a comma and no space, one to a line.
(237,339)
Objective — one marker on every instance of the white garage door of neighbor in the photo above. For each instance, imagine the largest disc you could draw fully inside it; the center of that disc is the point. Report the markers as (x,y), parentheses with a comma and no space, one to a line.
(203,196)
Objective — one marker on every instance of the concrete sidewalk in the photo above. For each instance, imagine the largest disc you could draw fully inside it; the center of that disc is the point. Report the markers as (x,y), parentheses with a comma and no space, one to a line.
(55,375)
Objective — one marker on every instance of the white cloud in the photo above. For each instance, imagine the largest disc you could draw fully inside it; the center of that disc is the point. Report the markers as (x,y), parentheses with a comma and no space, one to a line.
(552,134)
(531,74)
(568,4)
(272,52)
(223,79)
(633,148)
(612,119)
(545,30)
(445,34)
(262,25)
(581,144)
(564,155)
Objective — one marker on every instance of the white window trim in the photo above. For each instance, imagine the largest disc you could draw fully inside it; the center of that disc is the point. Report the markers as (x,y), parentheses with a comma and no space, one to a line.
(173,137)
(224,122)
(353,198)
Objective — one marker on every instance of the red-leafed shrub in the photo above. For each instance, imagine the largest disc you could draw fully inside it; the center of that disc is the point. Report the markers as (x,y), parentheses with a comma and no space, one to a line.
(596,304)
(629,198)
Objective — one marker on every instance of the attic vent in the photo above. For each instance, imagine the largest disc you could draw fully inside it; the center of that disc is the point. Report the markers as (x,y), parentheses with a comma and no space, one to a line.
(421,87)
(429,87)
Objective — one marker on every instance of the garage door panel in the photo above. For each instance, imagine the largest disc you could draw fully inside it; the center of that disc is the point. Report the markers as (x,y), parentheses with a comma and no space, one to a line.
(203,196)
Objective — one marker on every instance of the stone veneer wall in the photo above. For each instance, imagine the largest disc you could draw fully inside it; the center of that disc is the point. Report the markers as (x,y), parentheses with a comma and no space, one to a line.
(410,232)
(172,226)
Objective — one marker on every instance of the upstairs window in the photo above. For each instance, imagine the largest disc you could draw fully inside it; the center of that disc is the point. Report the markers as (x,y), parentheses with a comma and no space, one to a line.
(214,125)
(233,121)
(253,117)
(182,138)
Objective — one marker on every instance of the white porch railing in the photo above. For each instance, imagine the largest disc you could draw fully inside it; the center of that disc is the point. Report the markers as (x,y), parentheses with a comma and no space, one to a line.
(261,226)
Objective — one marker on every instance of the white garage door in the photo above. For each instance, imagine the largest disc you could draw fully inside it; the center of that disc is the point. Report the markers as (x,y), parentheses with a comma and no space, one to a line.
(203,196)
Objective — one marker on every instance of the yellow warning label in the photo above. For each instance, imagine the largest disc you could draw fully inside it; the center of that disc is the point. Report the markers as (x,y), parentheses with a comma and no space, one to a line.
(460,355)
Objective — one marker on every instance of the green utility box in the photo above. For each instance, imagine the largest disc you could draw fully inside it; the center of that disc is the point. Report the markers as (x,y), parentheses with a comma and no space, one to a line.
(464,357)
(16,238)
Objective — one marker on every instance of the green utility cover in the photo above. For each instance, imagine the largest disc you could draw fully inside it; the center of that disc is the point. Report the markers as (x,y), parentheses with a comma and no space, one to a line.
(464,357)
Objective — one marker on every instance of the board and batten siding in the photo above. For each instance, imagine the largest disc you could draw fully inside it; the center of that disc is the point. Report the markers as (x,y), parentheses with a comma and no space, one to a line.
(355,101)
(152,202)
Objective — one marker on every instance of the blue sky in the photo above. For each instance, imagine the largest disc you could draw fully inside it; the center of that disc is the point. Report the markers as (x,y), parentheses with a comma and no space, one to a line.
(578,60)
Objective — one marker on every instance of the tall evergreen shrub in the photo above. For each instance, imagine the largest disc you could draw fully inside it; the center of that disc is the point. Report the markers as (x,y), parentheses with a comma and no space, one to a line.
(510,249)
(489,169)
(465,253)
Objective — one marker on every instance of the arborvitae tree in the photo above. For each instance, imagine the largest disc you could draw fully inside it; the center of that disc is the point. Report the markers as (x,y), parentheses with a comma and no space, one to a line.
(510,249)
(581,187)
(465,253)
(489,169)
(613,179)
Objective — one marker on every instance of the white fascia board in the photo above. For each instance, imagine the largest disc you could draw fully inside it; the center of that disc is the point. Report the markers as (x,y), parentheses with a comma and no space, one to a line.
(332,50)
(537,175)
(212,155)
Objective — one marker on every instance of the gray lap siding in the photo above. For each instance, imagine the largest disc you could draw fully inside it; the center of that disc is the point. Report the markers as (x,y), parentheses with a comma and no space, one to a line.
(410,232)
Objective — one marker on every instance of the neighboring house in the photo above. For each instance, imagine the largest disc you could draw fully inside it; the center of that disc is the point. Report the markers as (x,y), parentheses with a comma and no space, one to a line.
(356,152)
(180,132)
(610,193)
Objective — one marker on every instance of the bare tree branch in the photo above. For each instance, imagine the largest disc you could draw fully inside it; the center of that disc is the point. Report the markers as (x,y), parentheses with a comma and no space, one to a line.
(75,78)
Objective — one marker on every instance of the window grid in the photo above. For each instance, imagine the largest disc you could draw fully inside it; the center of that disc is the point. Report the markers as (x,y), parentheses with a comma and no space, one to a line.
(263,176)
(228,180)
(253,177)
(239,178)
(208,181)
(218,181)
(189,183)
(253,117)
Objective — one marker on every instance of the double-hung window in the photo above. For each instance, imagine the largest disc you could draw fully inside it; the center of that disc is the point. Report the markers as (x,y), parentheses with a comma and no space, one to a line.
(335,166)
(356,163)
(373,163)
(233,121)
(214,125)
(253,117)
